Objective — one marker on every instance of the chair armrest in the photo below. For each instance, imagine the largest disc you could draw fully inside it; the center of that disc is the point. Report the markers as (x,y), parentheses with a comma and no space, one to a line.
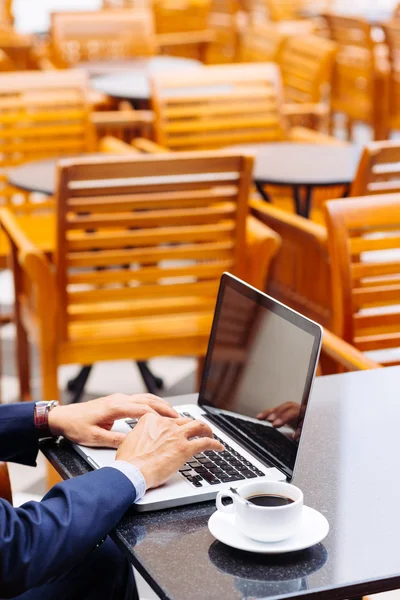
(345,354)
(148,147)
(261,246)
(30,258)
(112,145)
(260,209)
(303,134)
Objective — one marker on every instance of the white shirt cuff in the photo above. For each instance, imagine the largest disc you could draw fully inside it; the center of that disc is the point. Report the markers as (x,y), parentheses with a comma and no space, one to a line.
(133,474)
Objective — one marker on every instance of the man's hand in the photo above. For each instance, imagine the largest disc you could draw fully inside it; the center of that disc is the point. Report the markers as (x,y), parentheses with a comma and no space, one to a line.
(285,414)
(160,446)
(90,423)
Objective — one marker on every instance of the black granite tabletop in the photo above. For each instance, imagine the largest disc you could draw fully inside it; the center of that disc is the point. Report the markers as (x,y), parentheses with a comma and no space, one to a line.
(348,468)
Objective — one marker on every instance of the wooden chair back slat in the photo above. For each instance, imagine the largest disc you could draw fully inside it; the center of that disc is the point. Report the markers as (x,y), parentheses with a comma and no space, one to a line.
(101,35)
(364,238)
(379,169)
(217,106)
(116,249)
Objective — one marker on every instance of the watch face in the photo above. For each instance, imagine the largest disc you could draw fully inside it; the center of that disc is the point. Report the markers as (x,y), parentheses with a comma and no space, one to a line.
(41,403)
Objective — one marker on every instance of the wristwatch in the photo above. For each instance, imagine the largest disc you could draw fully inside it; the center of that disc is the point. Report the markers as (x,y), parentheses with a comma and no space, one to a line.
(41,417)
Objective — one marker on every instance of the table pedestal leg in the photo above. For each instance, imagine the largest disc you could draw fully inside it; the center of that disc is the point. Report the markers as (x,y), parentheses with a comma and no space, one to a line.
(302,196)
(260,189)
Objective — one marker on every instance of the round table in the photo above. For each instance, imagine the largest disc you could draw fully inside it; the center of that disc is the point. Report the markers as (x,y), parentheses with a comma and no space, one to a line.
(40,175)
(132,82)
(302,167)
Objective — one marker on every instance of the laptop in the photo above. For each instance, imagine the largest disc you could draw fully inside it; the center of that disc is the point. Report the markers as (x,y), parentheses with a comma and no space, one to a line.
(262,356)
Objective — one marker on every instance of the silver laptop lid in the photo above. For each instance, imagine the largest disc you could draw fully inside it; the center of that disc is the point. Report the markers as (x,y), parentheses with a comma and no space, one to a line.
(262,356)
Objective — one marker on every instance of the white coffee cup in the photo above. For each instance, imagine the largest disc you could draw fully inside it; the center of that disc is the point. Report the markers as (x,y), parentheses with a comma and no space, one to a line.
(264,523)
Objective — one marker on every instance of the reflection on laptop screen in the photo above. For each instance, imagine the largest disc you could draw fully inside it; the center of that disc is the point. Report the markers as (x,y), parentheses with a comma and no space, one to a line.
(260,363)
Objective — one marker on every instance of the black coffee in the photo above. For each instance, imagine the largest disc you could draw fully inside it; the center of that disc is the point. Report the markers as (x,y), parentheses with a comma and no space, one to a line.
(269,500)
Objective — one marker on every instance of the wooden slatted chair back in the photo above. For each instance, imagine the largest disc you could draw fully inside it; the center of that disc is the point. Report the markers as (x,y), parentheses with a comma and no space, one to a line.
(379,169)
(101,35)
(217,106)
(392,38)
(147,236)
(41,115)
(306,64)
(364,242)
(260,42)
(353,84)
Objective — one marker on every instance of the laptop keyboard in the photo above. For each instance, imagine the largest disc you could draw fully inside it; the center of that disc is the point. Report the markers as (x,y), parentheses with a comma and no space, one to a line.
(211,468)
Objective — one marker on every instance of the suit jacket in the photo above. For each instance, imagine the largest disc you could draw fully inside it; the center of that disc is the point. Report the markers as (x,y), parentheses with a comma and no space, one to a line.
(42,540)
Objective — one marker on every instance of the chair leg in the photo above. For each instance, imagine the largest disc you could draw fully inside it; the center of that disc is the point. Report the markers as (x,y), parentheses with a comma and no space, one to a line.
(153,383)
(49,366)
(22,343)
(77,385)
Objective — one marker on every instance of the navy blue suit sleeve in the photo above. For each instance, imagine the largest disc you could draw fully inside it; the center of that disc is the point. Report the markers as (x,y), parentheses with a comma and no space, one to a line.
(18,436)
(42,540)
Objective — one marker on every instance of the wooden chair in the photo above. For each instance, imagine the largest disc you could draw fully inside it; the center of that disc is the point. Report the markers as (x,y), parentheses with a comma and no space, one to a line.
(182,27)
(223,105)
(392,38)
(379,169)
(137,219)
(364,245)
(361,75)
(306,63)
(86,36)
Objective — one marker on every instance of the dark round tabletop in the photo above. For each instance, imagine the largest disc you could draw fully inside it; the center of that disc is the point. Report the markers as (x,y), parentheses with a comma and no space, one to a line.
(132,82)
(295,164)
(39,175)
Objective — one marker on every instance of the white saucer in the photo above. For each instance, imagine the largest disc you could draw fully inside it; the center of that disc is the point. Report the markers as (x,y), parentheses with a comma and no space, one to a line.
(313,529)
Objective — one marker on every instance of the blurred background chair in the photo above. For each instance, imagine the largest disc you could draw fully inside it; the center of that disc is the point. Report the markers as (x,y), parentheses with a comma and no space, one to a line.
(78,37)
(361,76)
(379,169)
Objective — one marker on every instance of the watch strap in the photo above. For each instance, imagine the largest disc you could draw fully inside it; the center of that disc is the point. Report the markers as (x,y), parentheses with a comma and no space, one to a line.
(41,417)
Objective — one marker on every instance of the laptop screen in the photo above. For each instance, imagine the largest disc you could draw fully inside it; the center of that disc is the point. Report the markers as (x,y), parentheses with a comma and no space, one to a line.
(259,370)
